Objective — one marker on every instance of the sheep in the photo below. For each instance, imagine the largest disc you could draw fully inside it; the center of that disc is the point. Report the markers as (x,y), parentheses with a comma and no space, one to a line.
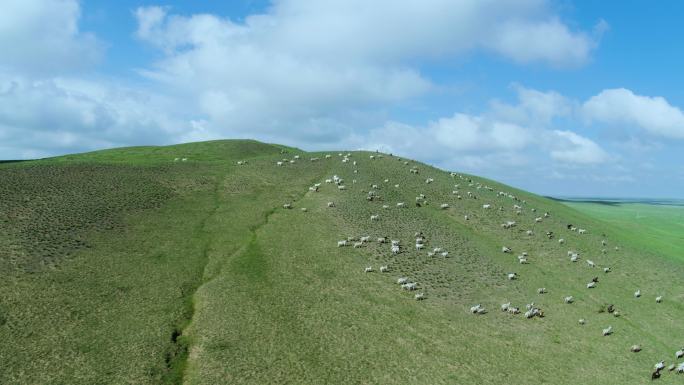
(591,285)
(358,244)
(477,309)
(538,219)
(591,263)
(341,187)
(533,312)
(444,254)
(385,207)
(542,290)
(680,367)
(635,348)
(444,206)
(374,218)
(328,181)
(505,249)
(184,159)
(331,204)
(342,243)
(679,353)
(603,243)
(659,299)
(279,163)
(511,276)
(483,206)
(176,159)
(365,239)
(420,246)
(561,241)
(402,280)
(395,249)
(569,299)
(410,286)
(466,217)
(328,156)
(606,269)
(659,365)
(429,180)
(395,242)
(513,310)
(419,296)
(637,294)
(582,321)
(382,239)
(523,261)
(401,204)
(505,306)
(368,269)
(438,250)
(574,258)
(304,209)
(431,254)
(529,232)
(607,331)
(581,231)
(384,269)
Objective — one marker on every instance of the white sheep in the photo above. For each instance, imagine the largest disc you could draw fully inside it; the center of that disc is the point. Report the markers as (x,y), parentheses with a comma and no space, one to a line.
(402,280)
(358,244)
(368,269)
(466,217)
(395,249)
(401,204)
(538,219)
(606,269)
(331,204)
(680,367)
(486,206)
(561,241)
(581,231)
(505,249)
(582,321)
(444,206)
(365,238)
(342,243)
(523,261)
(607,331)
(419,296)
(637,294)
(375,217)
(659,366)
(529,232)
(505,306)
(659,299)
(591,263)
(512,276)
(444,254)
(591,285)
(569,299)
(679,353)
(382,239)
(385,207)
(542,290)
(420,246)
(384,269)
(304,209)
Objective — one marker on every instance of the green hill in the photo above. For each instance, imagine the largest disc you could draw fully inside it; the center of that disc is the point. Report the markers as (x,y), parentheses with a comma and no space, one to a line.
(127,266)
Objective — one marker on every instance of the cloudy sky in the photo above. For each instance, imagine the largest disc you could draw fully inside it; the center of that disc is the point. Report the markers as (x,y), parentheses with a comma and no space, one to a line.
(568,98)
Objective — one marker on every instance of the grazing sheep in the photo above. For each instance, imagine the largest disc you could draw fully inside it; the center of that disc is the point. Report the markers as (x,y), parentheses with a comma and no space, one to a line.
(606,269)
(591,285)
(591,263)
(659,365)
(505,249)
(607,331)
(385,207)
(581,231)
(523,261)
(410,286)
(368,269)
(514,310)
(341,243)
(512,276)
(635,348)
(331,204)
(444,206)
(420,246)
(419,296)
(430,254)
(444,254)
(542,290)
(659,299)
(395,249)
(561,241)
(279,163)
(574,258)
(582,321)
(358,244)
(483,206)
(382,240)
(478,309)
(679,353)
(637,294)
(365,239)
(680,367)
(466,217)
(402,280)
(569,299)
(375,218)
(505,306)
(304,209)
(287,206)
(401,204)
(384,269)
(529,232)
(341,187)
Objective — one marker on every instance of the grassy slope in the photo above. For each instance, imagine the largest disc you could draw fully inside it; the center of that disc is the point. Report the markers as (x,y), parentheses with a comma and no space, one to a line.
(277,302)
(657,227)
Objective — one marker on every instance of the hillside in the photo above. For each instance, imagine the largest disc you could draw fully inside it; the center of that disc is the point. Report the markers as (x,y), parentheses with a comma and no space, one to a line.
(127,266)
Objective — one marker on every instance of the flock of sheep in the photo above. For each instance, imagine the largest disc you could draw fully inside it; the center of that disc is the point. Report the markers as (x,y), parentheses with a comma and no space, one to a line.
(395,247)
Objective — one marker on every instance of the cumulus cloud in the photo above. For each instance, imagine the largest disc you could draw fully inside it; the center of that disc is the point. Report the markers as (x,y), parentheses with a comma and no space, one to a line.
(42,36)
(622,106)
(574,149)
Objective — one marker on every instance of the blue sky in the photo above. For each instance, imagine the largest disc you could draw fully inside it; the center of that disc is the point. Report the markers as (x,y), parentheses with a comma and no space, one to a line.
(574,98)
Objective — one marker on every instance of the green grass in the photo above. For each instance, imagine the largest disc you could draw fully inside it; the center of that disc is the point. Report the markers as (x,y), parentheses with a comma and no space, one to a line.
(656,227)
(193,272)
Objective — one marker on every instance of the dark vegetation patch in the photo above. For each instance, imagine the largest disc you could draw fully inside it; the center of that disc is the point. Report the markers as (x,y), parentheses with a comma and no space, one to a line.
(47,210)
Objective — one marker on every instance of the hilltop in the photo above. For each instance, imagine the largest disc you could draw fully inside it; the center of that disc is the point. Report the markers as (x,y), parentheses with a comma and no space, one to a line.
(134,265)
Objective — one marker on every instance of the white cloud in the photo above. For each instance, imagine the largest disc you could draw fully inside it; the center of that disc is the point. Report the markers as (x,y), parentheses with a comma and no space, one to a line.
(534,107)
(622,106)
(574,149)
(42,36)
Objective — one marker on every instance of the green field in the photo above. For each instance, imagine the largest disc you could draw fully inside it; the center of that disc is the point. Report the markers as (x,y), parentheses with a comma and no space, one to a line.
(126,267)
(659,227)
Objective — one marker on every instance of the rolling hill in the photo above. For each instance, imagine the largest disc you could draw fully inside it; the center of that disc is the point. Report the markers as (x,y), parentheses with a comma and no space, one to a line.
(181,264)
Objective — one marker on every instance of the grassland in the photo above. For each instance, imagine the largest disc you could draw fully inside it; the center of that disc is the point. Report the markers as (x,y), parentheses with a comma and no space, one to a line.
(659,227)
(193,272)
